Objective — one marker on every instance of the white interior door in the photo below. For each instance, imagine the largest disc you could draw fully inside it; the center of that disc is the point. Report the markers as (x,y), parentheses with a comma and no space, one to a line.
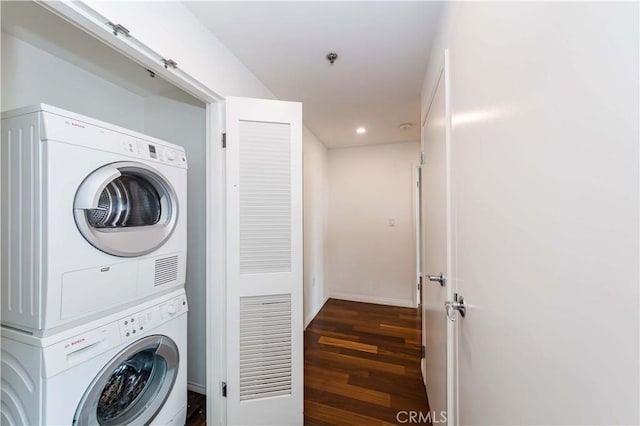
(436,206)
(546,194)
(264,262)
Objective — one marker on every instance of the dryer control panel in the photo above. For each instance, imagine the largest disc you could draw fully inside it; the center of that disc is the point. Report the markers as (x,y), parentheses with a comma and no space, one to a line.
(133,325)
(84,131)
(154,151)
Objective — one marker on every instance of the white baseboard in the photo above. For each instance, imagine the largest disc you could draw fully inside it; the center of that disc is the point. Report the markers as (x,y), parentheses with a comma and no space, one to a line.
(197,388)
(313,314)
(406,303)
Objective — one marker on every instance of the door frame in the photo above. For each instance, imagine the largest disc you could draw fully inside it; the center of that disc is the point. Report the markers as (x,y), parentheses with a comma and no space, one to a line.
(216,246)
(417,226)
(84,17)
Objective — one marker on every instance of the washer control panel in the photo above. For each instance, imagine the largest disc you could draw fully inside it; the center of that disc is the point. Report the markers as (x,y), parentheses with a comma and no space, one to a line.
(173,307)
(133,325)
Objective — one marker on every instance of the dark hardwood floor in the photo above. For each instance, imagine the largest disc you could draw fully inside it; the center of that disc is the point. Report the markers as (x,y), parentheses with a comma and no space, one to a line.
(362,366)
(196,409)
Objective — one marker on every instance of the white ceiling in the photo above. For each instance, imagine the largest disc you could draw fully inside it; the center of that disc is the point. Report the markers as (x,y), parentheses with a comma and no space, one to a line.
(375,83)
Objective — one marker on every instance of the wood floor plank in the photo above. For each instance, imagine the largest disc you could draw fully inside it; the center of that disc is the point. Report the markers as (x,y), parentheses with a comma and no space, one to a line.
(196,409)
(338,417)
(349,404)
(337,376)
(391,383)
(317,334)
(344,389)
(376,330)
(348,344)
(356,362)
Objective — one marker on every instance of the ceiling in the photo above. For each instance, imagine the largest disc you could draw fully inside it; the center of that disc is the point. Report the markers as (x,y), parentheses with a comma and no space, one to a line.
(376,81)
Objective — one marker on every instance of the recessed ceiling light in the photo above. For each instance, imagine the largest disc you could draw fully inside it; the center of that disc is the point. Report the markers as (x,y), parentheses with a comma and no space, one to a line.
(361,130)
(405,126)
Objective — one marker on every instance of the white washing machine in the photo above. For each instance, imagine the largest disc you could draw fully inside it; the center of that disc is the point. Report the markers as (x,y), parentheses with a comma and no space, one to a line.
(128,368)
(93,218)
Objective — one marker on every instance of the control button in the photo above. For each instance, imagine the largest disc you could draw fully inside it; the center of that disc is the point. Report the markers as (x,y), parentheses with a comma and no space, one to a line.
(141,328)
(171,155)
(134,331)
(126,322)
(171,309)
(128,334)
(133,319)
(184,302)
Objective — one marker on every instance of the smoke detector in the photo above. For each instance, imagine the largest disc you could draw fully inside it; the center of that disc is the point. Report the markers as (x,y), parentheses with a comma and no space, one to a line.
(405,126)
(331,57)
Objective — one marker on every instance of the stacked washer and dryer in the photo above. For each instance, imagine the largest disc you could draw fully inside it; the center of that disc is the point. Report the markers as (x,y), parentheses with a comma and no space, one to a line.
(94,232)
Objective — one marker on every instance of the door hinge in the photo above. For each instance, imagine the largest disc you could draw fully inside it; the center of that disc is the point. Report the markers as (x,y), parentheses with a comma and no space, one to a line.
(423,352)
(418,286)
(421,157)
(224,389)
(119,29)
(224,140)
(169,63)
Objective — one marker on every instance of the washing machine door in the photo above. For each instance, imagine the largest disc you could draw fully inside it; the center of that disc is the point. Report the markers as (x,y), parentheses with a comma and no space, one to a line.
(133,386)
(126,209)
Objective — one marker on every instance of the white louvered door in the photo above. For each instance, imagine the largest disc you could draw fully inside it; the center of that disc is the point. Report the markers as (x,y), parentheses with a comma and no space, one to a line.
(264,262)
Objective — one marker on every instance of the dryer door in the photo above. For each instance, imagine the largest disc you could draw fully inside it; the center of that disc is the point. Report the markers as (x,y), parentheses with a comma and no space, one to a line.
(126,209)
(133,386)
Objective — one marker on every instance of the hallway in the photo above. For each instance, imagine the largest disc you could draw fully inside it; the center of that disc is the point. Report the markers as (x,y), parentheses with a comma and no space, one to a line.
(362,364)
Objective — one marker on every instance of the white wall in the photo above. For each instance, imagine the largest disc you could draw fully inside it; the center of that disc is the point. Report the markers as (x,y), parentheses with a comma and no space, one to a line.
(30,76)
(545,147)
(316,187)
(161,115)
(368,260)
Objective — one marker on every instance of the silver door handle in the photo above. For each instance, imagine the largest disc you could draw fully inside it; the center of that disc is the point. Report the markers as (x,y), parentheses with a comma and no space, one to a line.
(438,278)
(457,305)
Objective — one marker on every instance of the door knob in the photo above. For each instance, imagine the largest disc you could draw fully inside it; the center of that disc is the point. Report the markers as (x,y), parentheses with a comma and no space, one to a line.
(456,305)
(438,278)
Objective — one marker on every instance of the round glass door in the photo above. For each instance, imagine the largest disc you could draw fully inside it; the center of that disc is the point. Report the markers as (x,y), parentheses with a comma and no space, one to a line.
(128,200)
(125,209)
(133,387)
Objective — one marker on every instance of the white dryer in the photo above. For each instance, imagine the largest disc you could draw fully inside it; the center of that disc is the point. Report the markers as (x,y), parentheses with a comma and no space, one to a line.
(128,368)
(93,218)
